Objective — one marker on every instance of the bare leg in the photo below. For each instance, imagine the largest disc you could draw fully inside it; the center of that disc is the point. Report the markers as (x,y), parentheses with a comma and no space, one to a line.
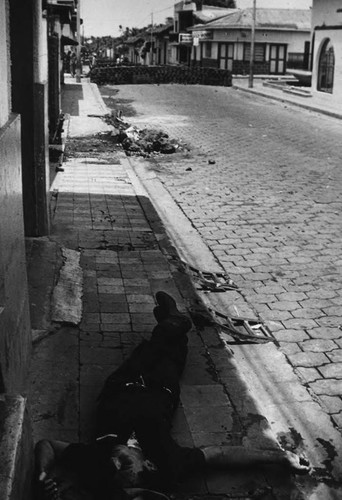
(230,456)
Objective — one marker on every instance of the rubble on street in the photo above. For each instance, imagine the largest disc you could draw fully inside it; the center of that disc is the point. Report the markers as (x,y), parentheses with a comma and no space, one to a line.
(141,142)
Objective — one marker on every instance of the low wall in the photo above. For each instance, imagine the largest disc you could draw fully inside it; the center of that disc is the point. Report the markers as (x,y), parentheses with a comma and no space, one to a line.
(120,75)
(15,328)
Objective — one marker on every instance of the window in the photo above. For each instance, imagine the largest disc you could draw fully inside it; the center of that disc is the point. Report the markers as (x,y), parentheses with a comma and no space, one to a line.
(326,68)
(226,56)
(207,52)
(259,52)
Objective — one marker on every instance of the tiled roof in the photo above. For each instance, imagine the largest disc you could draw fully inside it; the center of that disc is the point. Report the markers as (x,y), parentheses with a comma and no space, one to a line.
(211,13)
(161,29)
(289,19)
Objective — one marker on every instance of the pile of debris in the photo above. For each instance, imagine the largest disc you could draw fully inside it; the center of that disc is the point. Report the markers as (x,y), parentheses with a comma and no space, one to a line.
(142,142)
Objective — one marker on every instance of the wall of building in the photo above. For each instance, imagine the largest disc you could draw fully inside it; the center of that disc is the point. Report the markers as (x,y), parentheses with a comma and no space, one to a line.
(325,16)
(325,11)
(4,65)
(15,335)
(15,328)
(295,42)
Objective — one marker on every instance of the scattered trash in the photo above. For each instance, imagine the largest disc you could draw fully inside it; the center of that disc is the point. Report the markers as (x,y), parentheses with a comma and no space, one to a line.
(211,162)
(188,169)
(143,142)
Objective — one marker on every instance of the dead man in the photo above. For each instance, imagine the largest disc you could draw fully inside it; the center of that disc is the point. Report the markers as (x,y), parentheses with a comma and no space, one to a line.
(134,454)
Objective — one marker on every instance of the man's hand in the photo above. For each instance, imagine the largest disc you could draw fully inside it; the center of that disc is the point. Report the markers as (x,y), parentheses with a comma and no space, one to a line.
(49,487)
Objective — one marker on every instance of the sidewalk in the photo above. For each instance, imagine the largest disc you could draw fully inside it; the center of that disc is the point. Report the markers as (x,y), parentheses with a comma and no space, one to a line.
(310,103)
(107,256)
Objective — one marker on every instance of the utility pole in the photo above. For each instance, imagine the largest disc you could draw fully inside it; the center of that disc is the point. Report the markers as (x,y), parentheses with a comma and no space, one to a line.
(251,63)
(151,49)
(78,48)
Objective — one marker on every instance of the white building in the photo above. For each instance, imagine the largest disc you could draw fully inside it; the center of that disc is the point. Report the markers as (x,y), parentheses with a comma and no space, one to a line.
(327,52)
(281,36)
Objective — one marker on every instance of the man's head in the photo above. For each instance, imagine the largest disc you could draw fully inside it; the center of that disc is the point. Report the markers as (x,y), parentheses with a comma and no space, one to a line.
(131,466)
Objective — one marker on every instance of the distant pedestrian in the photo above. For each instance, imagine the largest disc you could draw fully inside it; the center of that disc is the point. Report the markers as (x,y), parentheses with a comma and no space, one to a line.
(92,61)
(66,60)
(73,61)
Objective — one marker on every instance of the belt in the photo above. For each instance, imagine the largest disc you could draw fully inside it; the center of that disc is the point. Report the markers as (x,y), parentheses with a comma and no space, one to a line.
(141,385)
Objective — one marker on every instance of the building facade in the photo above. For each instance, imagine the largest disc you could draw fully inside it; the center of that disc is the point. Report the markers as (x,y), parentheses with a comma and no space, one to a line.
(186,15)
(24,212)
(327,52)
(281,36)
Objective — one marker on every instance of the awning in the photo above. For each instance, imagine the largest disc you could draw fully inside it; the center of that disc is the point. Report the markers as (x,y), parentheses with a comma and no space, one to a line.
(65,40)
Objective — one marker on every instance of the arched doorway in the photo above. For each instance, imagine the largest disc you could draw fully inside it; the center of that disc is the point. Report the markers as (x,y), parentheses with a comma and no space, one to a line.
(326,68)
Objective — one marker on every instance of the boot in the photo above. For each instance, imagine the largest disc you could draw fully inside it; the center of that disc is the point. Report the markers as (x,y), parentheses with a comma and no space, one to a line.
(166,306)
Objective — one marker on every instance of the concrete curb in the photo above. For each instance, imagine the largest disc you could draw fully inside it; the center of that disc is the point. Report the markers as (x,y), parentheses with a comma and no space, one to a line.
(289,101)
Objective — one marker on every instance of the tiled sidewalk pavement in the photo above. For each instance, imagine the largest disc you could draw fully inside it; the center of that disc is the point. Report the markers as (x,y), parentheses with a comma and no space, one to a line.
(124,257)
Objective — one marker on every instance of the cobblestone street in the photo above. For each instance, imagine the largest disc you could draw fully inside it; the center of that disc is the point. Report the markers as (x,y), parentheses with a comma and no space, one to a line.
(262,186)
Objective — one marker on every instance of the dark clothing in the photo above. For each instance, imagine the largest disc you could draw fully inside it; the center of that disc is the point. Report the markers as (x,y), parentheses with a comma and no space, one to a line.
(142,395)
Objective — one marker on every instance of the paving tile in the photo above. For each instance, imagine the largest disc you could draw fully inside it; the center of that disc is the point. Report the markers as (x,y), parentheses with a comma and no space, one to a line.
(211,419)
(196,396)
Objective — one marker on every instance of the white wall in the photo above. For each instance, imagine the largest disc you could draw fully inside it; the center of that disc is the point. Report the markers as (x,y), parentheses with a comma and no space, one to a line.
(324,13)
(40,56)
(294,40)
(4,66)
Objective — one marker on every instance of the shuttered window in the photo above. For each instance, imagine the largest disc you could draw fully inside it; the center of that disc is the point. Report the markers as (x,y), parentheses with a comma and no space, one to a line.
(259,52)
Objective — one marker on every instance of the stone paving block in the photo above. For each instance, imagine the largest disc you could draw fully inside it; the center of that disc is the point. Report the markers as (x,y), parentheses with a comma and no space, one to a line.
(113,307)
(180,428)
(308,359)
(90,327)
(318,345)
(291,335)
(309,374)
(333,403)
(329,321)
(144,308)
(331,370)
(111,298)
(138,298)
(95,374)
(324,333)
(196,396)
(335,356)
(289,348)
(110,289)
(90,354)
(115,318)
(212,419)
(307,313)
(300,324)
(139,290)
(198,374)
(328,387)
(87,408)
(237,483)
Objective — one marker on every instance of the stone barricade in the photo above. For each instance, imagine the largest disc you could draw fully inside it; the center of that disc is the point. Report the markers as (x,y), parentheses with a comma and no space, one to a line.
(120,75)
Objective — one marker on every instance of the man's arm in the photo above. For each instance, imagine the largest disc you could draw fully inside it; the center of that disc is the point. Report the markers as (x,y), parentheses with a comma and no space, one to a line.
(230,456)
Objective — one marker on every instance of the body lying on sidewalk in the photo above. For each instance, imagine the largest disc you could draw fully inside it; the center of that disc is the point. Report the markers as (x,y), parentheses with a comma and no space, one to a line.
(134,454)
